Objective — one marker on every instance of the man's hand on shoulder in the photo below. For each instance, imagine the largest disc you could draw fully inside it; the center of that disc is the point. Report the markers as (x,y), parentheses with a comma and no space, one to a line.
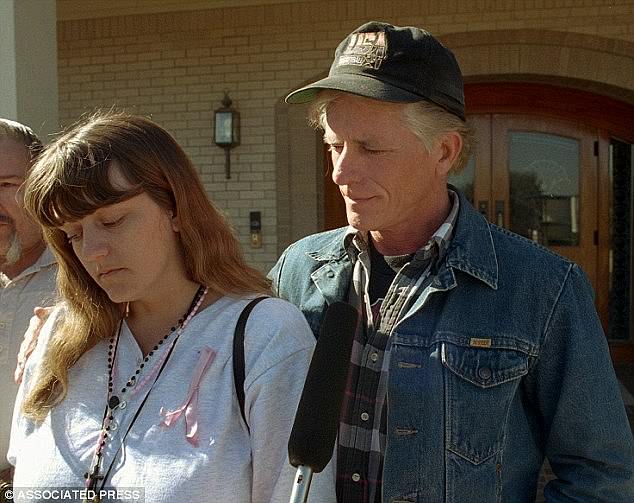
(29,343)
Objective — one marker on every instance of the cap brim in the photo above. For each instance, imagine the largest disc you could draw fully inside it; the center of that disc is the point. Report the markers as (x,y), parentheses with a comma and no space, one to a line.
(361,85)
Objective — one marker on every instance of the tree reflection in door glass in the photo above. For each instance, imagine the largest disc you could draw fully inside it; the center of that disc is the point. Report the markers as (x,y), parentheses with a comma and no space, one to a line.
(544,188)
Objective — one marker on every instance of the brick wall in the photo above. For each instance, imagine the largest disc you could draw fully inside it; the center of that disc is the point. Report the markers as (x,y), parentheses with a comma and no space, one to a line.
(176,66)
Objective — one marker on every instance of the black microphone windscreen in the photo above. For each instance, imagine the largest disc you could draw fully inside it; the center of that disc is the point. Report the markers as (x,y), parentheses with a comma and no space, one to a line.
(315,428)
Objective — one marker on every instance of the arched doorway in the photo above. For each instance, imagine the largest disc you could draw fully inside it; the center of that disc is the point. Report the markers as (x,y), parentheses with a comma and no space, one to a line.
(554,165)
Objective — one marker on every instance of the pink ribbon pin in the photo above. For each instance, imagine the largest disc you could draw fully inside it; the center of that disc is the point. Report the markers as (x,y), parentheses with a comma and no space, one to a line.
(190,405)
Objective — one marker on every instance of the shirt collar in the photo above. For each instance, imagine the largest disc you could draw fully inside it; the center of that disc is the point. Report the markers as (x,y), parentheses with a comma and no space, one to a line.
(46,259)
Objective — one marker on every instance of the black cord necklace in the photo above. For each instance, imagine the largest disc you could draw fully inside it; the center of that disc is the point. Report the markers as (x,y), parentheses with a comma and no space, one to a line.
(113,402)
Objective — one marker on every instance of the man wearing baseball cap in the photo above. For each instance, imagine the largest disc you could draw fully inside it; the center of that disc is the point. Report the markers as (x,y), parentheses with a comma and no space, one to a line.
(478,354)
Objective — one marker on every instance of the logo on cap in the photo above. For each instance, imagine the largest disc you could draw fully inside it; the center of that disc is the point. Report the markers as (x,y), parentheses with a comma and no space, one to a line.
(364,49)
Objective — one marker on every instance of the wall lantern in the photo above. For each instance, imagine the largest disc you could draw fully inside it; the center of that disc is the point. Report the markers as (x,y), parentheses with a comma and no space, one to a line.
(227,130)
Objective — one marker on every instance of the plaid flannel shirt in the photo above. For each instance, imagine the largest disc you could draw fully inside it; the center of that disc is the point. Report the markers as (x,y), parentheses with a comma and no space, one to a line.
(363,420)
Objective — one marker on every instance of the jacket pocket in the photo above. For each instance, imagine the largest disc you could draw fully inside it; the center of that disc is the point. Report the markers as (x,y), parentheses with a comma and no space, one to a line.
(480,385)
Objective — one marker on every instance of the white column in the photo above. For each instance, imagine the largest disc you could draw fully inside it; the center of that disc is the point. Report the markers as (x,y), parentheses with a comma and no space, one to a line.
(28,64)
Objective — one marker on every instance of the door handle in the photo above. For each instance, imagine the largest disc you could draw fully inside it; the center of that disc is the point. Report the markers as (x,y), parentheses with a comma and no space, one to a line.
(499,213)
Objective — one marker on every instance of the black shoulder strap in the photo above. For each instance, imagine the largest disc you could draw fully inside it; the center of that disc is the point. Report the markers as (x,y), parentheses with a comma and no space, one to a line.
(238,354)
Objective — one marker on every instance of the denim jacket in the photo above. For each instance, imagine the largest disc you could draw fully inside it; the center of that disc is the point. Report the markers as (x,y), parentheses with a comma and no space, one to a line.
(499,363)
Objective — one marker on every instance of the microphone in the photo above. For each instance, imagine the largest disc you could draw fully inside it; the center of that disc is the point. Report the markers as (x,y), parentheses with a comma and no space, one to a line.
(314,431)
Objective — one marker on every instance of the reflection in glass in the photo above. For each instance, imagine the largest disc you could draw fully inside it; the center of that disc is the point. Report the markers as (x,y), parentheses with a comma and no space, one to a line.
(224,134)
(544,188)
(463,181)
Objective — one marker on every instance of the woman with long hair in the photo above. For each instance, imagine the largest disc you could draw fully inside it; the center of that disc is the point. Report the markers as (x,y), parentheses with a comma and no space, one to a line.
(132,382)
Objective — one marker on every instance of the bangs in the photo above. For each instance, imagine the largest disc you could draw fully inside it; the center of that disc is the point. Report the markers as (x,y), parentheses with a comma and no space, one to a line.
(64,193)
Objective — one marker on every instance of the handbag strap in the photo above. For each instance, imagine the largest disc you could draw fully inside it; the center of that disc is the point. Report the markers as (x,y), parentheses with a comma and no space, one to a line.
(238,355)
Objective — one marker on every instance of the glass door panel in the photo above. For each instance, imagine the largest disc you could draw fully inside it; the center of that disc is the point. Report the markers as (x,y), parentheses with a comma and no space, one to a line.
(544,187)
(545,183)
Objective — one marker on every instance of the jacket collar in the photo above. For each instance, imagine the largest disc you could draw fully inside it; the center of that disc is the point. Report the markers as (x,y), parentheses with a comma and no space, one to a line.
(334,249)
(332,277)
(471,251)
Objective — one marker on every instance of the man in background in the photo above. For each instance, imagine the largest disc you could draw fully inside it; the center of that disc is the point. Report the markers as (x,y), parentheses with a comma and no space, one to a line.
(27,267)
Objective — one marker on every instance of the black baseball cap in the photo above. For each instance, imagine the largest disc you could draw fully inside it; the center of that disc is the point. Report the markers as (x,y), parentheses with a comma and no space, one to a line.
(392,63)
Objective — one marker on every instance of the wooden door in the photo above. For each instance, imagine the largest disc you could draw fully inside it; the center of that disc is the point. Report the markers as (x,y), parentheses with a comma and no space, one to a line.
(475,180)
(334,206)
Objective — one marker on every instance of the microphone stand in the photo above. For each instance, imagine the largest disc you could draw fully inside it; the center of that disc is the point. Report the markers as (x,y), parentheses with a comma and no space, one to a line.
(301,484)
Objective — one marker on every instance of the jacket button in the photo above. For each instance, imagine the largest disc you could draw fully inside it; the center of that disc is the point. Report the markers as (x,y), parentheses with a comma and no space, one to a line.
(484,373)
(356,477)
(330,274)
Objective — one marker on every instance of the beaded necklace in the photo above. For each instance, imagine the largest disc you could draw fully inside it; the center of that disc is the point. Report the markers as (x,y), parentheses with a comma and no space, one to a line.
(114,402)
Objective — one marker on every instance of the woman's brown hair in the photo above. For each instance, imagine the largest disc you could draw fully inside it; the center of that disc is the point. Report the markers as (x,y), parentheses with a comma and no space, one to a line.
(71,180)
